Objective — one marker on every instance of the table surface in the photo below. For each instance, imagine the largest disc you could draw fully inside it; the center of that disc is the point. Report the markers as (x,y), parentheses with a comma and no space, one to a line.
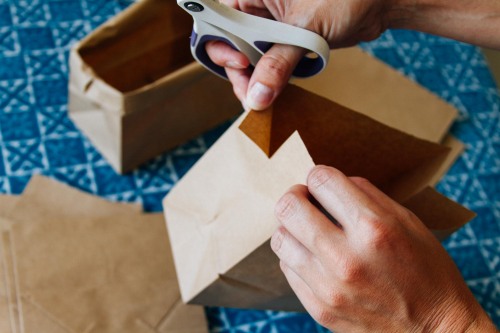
(36,136)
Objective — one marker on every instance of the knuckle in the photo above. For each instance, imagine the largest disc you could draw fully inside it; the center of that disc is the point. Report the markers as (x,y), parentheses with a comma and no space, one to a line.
(237,90)
(276,65)
(215,53)
(283,267)
(380,232)
(350,271)
(287,206)
(230,3)
(246,6)
(319,176)
(323,316)
(277,240)
(408,215)
(336,300)
(361,181)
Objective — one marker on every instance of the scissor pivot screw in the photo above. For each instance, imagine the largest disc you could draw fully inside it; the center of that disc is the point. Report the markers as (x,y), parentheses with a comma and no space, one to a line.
(193,6)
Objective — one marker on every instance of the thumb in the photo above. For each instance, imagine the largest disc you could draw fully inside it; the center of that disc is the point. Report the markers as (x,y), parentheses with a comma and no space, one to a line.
(271,74)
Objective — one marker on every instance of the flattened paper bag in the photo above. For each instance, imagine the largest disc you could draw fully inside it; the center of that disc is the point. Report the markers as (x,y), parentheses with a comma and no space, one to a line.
(73,262)
(220,215)
(6,204)
(134,89)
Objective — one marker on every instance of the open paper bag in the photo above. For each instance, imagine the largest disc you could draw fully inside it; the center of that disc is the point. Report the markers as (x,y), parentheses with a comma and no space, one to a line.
(220,215)
(134,90)
(365,84)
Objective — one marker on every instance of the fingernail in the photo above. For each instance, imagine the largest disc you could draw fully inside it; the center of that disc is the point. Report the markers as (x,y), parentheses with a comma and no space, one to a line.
(235,65)
(245,106)
(259,97)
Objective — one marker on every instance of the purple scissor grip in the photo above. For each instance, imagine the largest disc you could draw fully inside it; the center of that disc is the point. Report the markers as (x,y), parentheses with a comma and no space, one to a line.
(202,54)
(306,66)
(263,46)
(193,38)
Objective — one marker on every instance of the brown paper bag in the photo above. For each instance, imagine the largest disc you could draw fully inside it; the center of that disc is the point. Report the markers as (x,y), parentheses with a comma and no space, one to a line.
(365,84)
(43,195)
(6,204)
(134,90)
(48,195)
(77,263)
(220,215)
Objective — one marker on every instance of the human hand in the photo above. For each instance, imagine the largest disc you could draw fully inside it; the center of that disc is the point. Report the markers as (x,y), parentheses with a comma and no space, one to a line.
(377,269)
(341,23)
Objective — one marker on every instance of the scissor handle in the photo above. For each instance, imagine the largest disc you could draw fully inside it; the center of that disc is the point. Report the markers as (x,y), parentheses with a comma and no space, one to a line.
(200,53)
(305,68)
(198,43)
(250,35)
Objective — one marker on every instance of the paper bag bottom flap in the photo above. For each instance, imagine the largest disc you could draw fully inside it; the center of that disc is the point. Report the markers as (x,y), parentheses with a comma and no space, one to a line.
(256,282)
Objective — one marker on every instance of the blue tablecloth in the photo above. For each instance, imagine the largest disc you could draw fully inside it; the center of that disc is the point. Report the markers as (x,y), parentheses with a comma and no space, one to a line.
(36,136)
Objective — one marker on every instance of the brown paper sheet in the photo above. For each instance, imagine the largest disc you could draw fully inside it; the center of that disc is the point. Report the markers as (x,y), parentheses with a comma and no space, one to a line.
(350,141)
(45,194)
(456,149)
(365,84)
(7,202)
(78,263)
(439,213)
(220,214)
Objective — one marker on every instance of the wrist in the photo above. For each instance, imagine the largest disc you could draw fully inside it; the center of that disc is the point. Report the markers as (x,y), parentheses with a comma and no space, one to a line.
(464,317)
(476,22)
(401,14)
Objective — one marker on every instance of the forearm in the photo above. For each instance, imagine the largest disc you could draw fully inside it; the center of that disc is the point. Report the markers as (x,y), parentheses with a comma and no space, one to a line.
(472,21)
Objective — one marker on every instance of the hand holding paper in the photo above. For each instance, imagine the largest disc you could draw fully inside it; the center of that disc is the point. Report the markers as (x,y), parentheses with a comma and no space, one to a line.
(380,269)
(220,214)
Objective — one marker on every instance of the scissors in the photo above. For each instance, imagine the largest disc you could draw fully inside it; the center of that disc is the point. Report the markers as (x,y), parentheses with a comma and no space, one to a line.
(251,35)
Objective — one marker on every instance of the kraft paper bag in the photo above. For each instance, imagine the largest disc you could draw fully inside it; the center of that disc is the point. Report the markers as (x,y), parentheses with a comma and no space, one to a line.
(73,262)
(134,89)
(45,194)
(6,204)
(220,214)
(365,84)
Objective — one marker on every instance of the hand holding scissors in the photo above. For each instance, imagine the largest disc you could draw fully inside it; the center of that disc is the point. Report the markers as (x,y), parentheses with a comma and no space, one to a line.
(251,35)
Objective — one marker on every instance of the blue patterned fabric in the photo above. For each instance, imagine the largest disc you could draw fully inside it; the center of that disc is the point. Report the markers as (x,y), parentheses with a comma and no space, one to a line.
(36,136)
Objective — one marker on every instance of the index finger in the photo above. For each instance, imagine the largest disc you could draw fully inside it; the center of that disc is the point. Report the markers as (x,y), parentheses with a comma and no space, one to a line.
(271,74)
(341,197)
(305,222)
